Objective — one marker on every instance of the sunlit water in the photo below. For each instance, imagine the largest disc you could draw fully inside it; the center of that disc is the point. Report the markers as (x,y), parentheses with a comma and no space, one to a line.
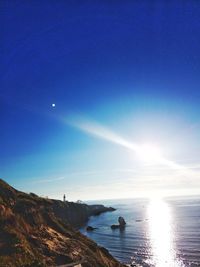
(159,233)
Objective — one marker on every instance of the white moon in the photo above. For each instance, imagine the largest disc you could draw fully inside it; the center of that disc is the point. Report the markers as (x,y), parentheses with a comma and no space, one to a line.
(53,105)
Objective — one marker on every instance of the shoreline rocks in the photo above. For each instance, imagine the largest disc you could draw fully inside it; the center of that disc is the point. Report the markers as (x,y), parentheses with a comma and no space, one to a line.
(90,228)
(121,224)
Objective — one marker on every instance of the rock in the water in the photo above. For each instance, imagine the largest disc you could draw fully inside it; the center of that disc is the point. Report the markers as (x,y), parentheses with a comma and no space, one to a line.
(90,228)
(121,221)
(121,224)
(115,226)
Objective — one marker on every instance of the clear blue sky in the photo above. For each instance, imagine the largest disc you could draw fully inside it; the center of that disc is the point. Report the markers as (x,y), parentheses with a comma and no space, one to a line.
(132,66)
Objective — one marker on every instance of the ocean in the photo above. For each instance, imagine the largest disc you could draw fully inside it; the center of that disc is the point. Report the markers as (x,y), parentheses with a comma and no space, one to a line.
(159,232)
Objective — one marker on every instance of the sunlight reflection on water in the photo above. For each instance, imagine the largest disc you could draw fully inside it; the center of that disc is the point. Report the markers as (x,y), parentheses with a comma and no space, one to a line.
(161,235)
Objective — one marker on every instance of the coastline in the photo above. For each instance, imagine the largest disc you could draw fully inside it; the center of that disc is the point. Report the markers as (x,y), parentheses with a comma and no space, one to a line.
(39,232)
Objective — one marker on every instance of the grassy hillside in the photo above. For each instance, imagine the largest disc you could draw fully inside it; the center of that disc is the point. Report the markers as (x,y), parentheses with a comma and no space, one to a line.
(37,232)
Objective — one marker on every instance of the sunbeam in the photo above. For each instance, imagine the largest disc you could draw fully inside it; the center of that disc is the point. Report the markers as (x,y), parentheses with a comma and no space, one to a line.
(146,152)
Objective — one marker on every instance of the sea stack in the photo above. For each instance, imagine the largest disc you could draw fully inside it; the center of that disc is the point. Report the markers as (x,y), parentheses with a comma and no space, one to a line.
(121,221)
(121,224)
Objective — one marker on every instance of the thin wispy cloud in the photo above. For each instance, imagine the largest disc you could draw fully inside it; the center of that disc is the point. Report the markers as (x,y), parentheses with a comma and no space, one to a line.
(47,180)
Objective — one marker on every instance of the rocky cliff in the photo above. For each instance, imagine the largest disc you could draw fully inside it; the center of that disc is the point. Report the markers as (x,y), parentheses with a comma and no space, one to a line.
(39,232)
(76,214)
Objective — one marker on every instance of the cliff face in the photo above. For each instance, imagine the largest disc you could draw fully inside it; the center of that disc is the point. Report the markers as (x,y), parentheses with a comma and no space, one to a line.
(76,214)
(37,232)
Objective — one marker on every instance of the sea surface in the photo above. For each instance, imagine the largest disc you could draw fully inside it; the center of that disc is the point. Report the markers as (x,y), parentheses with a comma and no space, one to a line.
(159,232)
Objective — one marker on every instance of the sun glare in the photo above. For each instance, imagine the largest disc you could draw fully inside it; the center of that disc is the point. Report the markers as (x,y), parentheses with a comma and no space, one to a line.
(149,153)
(161,233)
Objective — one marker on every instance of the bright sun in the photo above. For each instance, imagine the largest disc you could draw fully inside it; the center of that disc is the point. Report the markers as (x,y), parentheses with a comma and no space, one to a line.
(149,153)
